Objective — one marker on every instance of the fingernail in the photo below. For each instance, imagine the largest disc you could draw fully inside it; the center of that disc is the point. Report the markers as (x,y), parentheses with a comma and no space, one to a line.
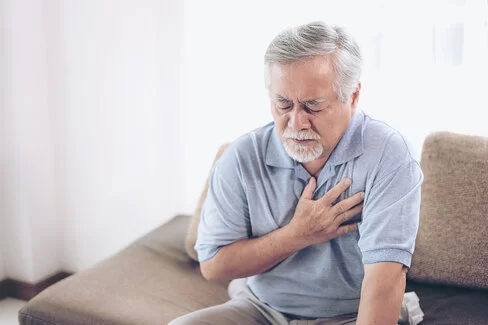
(347,181)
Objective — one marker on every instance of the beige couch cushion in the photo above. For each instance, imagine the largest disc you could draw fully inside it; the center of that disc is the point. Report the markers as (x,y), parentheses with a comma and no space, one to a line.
(191,235)
(452,242)
(150,282)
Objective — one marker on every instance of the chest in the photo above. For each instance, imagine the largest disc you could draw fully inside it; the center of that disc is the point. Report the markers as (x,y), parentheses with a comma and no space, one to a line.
(274,193)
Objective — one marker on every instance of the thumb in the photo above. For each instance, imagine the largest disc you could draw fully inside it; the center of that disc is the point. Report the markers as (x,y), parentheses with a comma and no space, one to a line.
(308,190)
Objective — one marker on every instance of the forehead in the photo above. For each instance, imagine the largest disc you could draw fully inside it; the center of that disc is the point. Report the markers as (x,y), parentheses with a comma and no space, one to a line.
(311,77)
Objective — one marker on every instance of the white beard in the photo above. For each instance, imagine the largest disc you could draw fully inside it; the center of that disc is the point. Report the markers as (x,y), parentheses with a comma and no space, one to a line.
(303,153)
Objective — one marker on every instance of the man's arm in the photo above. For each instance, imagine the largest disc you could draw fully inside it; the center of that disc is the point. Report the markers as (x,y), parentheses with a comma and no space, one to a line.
(248,257)
(382,293)
(313,222)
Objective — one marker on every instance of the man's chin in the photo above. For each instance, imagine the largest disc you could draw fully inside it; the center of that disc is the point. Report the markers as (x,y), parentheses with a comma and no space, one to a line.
(303,155)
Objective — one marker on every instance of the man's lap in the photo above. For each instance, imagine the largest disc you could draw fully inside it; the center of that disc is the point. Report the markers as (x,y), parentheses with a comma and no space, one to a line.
(245,308)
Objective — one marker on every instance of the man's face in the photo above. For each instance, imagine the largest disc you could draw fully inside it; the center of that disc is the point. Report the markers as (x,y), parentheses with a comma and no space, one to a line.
(309,117)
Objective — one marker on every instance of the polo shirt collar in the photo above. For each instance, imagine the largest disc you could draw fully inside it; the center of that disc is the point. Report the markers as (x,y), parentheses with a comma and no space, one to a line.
(350,145)
(276,154)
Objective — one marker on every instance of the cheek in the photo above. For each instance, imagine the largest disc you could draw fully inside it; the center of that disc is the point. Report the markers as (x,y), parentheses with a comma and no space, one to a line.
(279,119)
(325,128)
(331,129)
(282,121)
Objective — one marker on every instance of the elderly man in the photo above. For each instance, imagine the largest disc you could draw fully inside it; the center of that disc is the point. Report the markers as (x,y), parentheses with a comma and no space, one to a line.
(319,209)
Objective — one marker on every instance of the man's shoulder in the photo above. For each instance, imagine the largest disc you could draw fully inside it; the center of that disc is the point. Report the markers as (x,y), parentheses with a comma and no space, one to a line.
(380,139)
(249,147)
(253,143)
(386,149)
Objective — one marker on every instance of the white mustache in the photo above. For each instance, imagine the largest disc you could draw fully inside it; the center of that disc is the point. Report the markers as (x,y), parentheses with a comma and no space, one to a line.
(301,135)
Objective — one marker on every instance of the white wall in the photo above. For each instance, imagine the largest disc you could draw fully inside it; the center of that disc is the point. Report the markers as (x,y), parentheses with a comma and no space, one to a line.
(224,84)
(92,148)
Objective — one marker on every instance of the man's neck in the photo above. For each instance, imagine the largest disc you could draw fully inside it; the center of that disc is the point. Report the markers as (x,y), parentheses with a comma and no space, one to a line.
(315,167)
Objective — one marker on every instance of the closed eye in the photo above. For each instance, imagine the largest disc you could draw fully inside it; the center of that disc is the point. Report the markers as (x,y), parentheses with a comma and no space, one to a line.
(308,109)
(314,105)
(283,104)
(284,108)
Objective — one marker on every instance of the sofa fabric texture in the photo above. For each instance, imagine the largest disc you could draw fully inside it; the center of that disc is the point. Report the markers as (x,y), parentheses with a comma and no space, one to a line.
(452,242)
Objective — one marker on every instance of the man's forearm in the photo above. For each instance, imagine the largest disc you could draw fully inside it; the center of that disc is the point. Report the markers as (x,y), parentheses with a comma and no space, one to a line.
(249,257)
(382,294)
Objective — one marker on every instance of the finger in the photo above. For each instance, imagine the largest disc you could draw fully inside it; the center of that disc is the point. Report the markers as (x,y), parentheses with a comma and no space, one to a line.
(342,230)
(348,203)
(349,214)
(309,189)
(334,192)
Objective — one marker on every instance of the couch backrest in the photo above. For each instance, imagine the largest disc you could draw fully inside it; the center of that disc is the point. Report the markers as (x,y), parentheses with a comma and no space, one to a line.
(191,236)
(452,242)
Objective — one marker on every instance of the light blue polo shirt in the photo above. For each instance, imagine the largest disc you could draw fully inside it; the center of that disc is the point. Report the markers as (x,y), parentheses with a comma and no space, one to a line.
(255,187)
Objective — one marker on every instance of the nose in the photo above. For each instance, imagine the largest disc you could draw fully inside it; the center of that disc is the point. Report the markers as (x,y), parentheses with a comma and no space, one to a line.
(299,120)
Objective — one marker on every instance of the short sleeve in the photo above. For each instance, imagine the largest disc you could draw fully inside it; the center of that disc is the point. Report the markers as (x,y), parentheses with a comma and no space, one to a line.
(391,206)
(225,214)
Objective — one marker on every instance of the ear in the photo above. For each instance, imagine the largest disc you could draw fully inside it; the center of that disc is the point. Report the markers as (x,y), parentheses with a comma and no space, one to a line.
(355,98)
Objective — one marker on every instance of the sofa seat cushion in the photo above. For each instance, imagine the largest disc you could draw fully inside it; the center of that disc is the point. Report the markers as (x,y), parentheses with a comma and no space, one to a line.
(150,282)
(451,305)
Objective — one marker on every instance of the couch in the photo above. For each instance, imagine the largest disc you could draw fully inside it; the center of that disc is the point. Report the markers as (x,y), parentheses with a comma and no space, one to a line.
(156,278)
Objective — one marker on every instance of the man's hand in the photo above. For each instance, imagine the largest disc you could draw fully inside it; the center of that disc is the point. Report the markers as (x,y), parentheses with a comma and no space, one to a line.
(320,221)
(313,222)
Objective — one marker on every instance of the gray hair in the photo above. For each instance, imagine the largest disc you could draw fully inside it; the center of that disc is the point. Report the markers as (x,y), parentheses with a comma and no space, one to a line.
(314,39)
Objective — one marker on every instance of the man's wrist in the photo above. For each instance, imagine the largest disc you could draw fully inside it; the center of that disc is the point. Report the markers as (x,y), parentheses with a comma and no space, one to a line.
(296,240)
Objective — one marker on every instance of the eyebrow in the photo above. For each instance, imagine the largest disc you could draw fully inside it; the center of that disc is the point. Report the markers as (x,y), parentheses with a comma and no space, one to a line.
(314,101)
(282,99)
